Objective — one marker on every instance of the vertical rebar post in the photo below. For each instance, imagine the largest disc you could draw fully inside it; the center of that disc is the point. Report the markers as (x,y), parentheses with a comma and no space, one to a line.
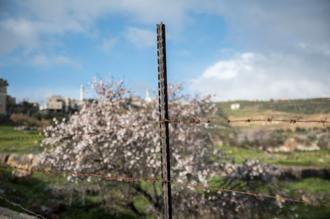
(163,110)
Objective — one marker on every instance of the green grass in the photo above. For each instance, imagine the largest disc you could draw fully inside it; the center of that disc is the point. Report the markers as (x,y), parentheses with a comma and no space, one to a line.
(310,159)
(28,144)
(311,186)
(25,195)
(310,212)
(28,194)
(300,106)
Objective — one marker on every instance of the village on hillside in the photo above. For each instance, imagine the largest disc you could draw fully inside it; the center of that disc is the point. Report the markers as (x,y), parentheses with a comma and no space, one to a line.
(55,104)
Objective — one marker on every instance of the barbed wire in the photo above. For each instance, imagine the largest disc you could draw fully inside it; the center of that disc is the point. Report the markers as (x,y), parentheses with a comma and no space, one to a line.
(191,121)
(249,120)
(152,180)
(21,207)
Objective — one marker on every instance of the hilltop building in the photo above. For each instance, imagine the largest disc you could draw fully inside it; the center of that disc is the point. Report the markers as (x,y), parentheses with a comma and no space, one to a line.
(235,106)
(60,104)
(136,101)
(5,101)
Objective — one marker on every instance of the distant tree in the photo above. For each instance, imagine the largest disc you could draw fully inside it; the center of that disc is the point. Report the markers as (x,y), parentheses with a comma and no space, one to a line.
(3,83)
(23,108)
(19,119)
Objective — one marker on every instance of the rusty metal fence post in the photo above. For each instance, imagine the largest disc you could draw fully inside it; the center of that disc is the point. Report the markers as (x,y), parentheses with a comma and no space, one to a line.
(163,110)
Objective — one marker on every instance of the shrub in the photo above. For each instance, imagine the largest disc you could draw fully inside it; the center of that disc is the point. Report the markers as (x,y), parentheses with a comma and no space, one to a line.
(20,119)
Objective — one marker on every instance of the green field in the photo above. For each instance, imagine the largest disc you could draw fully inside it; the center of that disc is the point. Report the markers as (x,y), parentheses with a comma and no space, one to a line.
(299,106)
(320,158)
(309,186)
(35,193)
(23,146)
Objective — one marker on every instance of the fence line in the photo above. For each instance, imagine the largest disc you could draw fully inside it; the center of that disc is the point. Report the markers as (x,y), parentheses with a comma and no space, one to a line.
(191,121)
(269,119)
(152,180)
(20,206)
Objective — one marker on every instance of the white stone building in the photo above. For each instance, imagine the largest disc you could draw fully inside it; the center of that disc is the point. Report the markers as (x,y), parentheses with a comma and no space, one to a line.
(235,106)
(57,103)
(61,104)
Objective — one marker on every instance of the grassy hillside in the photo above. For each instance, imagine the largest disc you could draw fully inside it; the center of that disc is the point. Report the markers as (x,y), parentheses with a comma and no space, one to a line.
(318,108)
(316,159)
(19,146)
(300,106)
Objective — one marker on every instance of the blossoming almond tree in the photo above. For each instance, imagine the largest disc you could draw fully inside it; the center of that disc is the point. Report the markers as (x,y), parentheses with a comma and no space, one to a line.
(135,151)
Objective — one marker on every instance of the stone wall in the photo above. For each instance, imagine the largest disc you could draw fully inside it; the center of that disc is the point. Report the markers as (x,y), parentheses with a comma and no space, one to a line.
(6,213)
(303,173)
(28,162)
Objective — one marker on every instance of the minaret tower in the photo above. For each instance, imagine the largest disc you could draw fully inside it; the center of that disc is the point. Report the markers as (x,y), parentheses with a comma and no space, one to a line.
(147,93)
(82,93)
(148,99)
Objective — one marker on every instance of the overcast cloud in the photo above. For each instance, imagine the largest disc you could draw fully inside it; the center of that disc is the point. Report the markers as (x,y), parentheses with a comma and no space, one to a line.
(284,45)
(258,76)
(288,44)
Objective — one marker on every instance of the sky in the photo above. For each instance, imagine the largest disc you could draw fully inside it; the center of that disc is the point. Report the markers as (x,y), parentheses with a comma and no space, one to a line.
(232,49)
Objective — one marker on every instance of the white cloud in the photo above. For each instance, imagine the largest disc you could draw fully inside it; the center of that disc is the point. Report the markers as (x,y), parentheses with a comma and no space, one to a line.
(36,19)
(287,41)
(108,44)
(257,76)
(27,34)
(182,53)
(42,60)
(256,24)
(39,60)
(314,49)
(17,33)
(62,60)
(230,69)
(140,37)
(276,25)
